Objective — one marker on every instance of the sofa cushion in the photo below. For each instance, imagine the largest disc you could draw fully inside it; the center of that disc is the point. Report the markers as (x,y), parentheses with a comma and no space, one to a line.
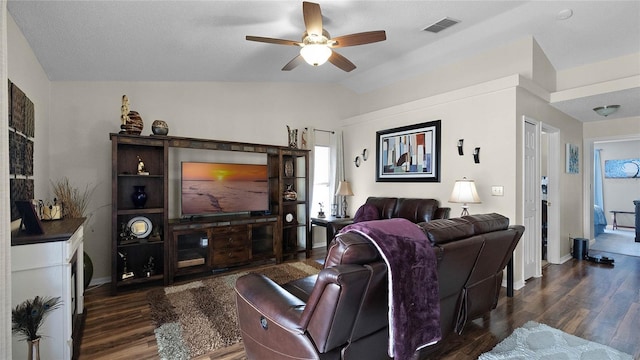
(385,205)
(366,212)
(484,223)
(416,210)
(442,231)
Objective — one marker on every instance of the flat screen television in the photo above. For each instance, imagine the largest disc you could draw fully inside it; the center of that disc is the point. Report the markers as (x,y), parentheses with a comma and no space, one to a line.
(221,188)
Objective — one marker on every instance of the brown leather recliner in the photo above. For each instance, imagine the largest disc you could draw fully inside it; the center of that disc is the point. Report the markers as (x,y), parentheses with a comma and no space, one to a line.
(339,314)
(342,313)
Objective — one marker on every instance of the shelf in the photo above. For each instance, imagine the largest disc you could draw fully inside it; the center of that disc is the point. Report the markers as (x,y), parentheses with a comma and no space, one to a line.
(189,257)
(134,211)
(139,280)
(140,244)
(142,176)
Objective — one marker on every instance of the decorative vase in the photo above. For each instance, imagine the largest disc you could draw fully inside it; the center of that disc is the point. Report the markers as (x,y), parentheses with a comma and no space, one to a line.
(135,124)
(288,168)
(34,349)
(159,127)
(139,197)
(290,194)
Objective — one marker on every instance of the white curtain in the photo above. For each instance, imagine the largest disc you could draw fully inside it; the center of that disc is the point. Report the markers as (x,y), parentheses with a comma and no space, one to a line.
(5,227)
(309,137)
(337,168)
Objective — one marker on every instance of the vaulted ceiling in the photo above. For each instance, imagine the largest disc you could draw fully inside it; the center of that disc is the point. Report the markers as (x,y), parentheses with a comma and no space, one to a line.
(205,40)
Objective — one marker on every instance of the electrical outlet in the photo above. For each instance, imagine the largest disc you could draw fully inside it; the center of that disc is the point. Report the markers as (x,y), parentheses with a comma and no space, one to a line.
(497,190)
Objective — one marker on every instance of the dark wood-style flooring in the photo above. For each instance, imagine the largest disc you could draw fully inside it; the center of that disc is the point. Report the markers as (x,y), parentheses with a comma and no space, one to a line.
(596,302)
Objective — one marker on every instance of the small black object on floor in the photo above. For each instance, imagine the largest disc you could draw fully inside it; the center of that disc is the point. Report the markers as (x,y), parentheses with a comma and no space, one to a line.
(581,252)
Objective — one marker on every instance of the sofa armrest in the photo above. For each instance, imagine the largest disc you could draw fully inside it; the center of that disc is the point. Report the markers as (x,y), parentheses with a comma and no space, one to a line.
(442,213)
(271,300)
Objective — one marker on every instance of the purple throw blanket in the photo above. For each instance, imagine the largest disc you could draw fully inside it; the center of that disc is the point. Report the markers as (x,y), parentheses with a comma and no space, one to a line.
(414,303)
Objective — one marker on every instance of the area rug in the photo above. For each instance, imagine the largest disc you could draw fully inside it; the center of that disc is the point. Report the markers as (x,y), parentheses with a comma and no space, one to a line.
(199,317)
(539,341)
(617,242)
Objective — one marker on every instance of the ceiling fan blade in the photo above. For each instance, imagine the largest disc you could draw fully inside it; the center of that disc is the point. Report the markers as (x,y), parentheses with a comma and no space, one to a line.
(293,63)
(272,40)
(341,62)
(359,38)
(312,18)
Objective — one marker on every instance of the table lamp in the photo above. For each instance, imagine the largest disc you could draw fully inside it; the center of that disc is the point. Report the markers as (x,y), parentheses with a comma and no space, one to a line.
(464,191)
(344,190)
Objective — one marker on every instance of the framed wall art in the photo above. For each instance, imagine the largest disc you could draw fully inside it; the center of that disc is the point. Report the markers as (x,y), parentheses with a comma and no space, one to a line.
(409,153)
(572,159)
(623,168)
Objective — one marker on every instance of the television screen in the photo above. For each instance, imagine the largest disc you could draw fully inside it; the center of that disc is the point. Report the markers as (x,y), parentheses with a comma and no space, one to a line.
(216,188)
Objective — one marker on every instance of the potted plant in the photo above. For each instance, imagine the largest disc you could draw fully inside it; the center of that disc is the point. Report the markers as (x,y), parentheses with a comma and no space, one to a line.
(28,317)
(74,205)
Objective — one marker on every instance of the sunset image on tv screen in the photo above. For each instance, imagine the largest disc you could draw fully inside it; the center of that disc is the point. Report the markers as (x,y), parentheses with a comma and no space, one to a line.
(221,188)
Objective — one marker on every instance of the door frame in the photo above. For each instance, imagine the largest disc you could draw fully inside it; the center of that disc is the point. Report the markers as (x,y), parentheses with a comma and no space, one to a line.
(553,194)
(553,212)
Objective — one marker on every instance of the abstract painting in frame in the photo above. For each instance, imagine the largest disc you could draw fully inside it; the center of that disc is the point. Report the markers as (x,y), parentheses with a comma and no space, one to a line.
(572,159)
(620,169)
(409,153)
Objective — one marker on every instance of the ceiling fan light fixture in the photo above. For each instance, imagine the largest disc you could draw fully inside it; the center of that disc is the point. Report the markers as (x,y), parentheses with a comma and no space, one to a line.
(606,110)
(315,54)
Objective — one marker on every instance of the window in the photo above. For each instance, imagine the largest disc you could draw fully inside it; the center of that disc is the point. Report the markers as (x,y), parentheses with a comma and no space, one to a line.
(321,182)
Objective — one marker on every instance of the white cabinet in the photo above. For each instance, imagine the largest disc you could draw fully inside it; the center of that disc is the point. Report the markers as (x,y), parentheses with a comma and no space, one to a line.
(50,265)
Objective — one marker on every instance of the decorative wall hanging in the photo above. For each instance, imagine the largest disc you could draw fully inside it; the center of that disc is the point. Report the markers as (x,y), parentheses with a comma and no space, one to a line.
(476,155)
(625,168)
(409,153)
(572,158)
(21,147)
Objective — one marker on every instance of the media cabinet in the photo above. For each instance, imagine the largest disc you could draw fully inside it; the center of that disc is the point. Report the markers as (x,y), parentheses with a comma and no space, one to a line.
(148,246)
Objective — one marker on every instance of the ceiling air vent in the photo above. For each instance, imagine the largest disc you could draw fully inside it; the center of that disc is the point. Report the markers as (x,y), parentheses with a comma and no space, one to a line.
(441,25)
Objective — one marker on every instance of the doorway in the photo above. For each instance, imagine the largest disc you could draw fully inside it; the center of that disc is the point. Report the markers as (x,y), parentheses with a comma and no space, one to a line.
(541,155)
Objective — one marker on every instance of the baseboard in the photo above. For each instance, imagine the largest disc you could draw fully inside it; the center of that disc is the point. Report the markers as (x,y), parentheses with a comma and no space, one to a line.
(565,258)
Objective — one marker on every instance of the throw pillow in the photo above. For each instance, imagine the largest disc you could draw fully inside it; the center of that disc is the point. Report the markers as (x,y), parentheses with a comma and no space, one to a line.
(366,212)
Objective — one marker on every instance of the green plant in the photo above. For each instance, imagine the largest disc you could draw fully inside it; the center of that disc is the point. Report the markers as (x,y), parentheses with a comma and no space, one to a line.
(27,317)
(74,202)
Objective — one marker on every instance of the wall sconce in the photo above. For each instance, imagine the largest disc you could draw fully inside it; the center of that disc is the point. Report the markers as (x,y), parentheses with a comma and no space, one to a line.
(460,150)
(357,161)
(476,155)
(365,154)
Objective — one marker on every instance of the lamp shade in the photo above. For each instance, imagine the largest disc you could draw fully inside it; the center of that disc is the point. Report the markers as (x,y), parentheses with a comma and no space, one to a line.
(464,191)
(344,189)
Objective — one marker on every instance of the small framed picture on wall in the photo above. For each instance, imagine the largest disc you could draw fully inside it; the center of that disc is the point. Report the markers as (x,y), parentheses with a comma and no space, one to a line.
(572,159)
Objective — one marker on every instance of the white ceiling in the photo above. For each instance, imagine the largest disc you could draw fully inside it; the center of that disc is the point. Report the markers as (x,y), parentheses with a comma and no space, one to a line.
(151,40)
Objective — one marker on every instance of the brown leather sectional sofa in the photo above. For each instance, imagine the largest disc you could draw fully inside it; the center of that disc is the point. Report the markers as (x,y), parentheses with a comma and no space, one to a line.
(342,313)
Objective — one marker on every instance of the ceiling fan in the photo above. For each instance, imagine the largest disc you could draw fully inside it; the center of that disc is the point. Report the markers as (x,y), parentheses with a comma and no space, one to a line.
(317,46)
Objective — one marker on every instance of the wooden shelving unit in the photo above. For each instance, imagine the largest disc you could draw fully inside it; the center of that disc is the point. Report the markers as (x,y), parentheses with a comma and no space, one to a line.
(180,247)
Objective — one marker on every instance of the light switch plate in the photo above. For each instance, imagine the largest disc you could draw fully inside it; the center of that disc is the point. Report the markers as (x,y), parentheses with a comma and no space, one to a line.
(497,191)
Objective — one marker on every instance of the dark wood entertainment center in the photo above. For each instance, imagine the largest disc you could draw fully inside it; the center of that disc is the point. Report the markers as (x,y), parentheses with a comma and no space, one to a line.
(178,247)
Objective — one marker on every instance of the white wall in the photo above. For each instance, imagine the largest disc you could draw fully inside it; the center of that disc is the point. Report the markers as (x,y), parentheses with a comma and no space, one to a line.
(84,113)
